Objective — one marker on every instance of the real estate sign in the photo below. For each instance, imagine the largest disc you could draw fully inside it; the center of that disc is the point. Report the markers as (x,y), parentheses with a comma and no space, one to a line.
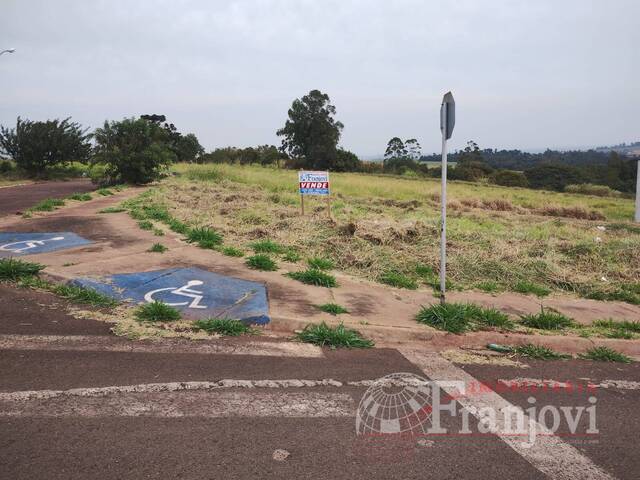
(313,183)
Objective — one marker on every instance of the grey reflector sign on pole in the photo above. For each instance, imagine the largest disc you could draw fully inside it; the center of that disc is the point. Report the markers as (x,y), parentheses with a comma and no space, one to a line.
(447,115)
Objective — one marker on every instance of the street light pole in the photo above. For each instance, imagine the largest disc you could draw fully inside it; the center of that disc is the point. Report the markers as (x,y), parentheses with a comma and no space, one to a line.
(637,216)
(8,50)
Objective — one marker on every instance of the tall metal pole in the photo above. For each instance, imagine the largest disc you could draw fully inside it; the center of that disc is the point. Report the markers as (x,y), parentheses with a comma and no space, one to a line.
(637,216)
(443,221)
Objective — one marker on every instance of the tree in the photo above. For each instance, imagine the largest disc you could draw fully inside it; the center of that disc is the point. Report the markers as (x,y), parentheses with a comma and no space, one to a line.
(414,151)
(346,161)
(311,132)
(553,177)
(470,153)
(395,149)
(36,146)
(509,178)
(187,148)
(133,151)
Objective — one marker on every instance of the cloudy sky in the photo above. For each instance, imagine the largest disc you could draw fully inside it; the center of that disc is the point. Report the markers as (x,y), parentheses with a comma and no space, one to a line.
(526,74)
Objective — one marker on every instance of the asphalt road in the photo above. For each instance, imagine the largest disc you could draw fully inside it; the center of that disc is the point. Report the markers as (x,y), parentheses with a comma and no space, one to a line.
(16,199)
(154,418)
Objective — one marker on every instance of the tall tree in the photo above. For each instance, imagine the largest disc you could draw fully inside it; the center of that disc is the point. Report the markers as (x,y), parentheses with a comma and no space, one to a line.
(311,132)
(395,149)
(36,146)
(414,151)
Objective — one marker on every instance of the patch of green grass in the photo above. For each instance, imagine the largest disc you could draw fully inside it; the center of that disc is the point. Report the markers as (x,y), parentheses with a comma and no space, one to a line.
(624,329)
(137,214)
(145,225)
(158,232)
(47,205)
(604,354)
(81,197)
(268,246)
(156,212)
(177,226)
(538,352)
(312,276)
(291,256)
(156,312)
(232,252)
(87,296)
(104,192)
(462,317)
(320,263)
(339,336)
(526,287)
(157,248)
(621,295)
(112,210)
(332,308)
(205,237)
(425,272)
(223,326)
(488,286)
(398,280)
(13,269)
(547,320)
(261,262)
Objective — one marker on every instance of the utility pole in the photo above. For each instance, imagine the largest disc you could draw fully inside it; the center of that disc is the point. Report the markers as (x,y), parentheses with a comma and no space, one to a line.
(637,216)
(447,122)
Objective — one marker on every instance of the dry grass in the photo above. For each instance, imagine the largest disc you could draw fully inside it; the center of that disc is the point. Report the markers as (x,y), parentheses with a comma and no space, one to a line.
(383,224)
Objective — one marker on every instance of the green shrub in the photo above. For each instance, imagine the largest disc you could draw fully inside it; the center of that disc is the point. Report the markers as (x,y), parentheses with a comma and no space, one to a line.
(14,269)
(591,189)
(47,205)
(157,248)
(528,287)
(509,178)
(268,246)
(232,252)
(339,336)
(462,317)
(134,151)
(79,294)
(604,354)
(205,237)
(488,286)
(81,197)
(332,308)
(112,210)
(547,320)
(320,263)
(6,166)
(104,192)
(222,326)
(538,352)
(399,280)
(156,312)
(37,147)
(291,256)
(145,225)
(261,262)
(314,277)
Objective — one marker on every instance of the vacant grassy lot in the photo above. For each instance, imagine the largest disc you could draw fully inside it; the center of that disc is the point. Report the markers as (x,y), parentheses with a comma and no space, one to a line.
(499,238)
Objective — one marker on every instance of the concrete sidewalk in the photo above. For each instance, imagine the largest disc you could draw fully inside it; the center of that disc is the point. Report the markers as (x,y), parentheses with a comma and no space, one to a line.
(384,313)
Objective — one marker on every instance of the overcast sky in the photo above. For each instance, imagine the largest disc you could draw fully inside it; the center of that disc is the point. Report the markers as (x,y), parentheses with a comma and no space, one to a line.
(525,74)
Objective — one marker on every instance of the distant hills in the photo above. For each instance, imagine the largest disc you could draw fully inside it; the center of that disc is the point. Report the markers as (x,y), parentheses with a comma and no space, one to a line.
(632,149)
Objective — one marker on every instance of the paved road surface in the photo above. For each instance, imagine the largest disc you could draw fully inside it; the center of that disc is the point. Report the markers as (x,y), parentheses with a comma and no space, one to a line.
(105,407)
(17,199)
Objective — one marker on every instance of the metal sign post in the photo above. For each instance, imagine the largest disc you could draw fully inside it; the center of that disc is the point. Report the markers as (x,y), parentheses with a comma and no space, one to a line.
(447,122)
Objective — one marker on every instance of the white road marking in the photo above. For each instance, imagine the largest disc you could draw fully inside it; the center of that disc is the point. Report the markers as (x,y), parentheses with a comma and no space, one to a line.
(29,244)
(183,291)
(549,454)
(104,343)
(166,387)
(196,403)
(523,382)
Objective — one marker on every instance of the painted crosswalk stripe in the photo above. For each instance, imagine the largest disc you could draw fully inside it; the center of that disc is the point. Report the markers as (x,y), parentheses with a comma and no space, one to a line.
(549,454)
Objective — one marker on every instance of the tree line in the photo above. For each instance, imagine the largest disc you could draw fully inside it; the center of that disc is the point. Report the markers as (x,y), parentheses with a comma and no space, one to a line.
(141,150)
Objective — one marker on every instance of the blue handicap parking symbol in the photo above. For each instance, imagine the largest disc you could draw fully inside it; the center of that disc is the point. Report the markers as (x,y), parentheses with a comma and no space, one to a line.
(197,293)
(12,244)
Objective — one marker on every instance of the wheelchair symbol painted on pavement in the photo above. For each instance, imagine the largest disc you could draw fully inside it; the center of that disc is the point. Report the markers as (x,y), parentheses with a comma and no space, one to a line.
(183,291)
(28,245)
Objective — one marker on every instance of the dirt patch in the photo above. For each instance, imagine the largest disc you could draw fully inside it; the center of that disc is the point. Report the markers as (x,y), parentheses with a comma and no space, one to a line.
(15,200)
